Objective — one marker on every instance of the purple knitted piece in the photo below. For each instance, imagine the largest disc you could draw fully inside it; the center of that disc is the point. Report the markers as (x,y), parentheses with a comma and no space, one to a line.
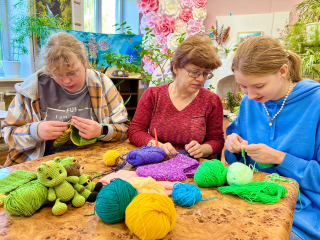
(178,168)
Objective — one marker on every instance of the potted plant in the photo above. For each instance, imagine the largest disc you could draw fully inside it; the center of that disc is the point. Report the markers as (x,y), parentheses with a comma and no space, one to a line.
(24,25)
(311,64)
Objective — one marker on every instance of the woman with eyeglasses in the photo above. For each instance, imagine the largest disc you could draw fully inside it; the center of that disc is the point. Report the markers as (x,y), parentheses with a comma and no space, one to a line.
(63,91)
(186,116)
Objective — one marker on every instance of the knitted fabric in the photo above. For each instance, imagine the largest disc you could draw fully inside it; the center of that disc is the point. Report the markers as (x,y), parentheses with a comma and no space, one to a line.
(178,168)
(127,175)
(15,180)
(67,161)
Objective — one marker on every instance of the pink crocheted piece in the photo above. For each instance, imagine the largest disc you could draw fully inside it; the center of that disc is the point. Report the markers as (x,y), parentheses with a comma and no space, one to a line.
(127,175)
(178,168)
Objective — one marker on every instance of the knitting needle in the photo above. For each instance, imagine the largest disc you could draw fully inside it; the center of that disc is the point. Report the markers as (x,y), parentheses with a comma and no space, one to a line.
(71,125)
(155,135)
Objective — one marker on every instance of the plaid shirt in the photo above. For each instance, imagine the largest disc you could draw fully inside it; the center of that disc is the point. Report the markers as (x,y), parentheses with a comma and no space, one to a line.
(20,126)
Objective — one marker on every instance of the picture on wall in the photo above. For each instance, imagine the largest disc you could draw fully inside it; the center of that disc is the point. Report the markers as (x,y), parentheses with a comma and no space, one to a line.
(98,44)
(52,8)
(242,36)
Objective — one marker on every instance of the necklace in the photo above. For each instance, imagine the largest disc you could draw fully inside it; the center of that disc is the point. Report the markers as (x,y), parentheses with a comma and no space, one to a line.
(271,119)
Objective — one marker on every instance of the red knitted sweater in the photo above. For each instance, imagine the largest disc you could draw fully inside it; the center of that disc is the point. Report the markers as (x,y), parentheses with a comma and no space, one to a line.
(201,120)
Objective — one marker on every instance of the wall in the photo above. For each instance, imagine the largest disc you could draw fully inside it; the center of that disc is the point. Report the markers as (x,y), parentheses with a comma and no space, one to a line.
(241,7)
(131,15)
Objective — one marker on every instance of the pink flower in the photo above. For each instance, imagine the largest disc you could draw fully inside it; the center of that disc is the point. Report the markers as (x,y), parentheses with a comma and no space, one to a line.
(194,27)
(149,20)
(161,39)
(200,3)
(150,67)
(145,6)
(186,3)
(185,15)
(146,59)
(165,25)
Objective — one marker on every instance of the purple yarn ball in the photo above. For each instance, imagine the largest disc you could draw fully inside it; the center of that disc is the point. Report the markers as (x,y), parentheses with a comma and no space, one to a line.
(145,155)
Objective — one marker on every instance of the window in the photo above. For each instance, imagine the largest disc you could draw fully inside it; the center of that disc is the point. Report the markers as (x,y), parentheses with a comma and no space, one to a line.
(101,15)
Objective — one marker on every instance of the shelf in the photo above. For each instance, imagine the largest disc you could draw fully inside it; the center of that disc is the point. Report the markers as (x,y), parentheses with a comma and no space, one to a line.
(126,78)
(128,93)
(6,79)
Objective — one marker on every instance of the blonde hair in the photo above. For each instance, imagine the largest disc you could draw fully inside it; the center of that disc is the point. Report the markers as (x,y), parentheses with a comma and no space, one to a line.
(263,55)
(61,52)
(196,50)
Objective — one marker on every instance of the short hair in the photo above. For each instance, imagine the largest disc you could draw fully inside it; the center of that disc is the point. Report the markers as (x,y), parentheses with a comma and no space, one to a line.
(195,50)
(61,51)
(264,55)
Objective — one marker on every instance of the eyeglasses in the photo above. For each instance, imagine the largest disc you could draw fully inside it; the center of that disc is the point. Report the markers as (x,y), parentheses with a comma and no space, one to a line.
(198,74)
(69,74)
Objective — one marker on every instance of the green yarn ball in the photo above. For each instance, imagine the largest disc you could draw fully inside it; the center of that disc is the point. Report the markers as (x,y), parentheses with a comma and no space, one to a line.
(211,173)
(113,199)
(27,199)
(239,174)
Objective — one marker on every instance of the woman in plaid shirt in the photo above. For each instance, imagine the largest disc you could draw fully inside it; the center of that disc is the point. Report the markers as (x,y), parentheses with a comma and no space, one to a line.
(63,90)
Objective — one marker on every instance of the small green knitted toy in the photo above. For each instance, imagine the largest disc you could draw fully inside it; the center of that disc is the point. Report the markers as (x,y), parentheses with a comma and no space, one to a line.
(54,176)
(88,189)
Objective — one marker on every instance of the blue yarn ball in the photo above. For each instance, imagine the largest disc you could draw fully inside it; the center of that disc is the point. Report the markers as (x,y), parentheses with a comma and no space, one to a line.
(186,194)
(113,200)
(145,155)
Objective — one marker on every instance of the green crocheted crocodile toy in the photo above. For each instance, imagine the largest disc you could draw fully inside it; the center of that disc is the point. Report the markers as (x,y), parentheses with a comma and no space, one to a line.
(88,189)
(54,176)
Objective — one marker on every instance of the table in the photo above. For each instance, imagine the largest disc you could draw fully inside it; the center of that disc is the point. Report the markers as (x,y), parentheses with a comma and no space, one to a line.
(226,217)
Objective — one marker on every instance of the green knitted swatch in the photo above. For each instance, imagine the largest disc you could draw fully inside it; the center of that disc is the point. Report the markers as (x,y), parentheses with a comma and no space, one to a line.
(78,140)
(15,180)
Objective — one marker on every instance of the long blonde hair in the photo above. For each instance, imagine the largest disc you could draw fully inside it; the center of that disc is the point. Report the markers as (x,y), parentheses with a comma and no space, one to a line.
(61,51)
(263,55)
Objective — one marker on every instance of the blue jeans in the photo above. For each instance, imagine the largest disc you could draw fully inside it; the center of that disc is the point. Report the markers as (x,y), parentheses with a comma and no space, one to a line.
(294,236)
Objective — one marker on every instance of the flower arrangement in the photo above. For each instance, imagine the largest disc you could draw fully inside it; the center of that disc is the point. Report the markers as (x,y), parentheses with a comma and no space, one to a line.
(165,24)
(222,35)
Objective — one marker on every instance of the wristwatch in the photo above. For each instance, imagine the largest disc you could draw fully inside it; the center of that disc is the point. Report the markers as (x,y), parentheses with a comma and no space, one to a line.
(104,130)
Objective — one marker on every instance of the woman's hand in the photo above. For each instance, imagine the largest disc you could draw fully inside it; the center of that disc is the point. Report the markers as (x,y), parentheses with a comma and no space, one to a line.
(194,149)
(87,128)
(51,130)
(264,154)
(234,143)
(167,147)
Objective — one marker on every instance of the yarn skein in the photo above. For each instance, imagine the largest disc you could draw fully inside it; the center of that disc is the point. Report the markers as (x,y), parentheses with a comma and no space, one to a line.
(26,199)
(110,157)
(211,173)
(113,200)
(145,155)
(147,185)
(151,216)
(239,174)
(187,194)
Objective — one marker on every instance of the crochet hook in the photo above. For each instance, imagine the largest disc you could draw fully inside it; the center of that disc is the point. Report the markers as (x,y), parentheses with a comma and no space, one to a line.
(155,135)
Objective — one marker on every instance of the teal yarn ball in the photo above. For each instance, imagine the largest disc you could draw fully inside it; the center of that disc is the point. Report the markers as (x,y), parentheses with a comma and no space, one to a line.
(211,173)
(113,200)
(186,195)
(239,174)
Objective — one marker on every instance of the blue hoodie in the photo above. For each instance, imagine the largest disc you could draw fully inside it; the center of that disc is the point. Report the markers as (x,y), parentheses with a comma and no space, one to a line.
(296,132)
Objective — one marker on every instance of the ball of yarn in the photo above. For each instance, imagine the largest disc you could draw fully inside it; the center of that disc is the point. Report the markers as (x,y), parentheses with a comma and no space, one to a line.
(239,174)
(211,174)
(113,200)
(26,199)
(2,197)
(147,185)
(186,195)
(145,155)
(110,157)
(151,216)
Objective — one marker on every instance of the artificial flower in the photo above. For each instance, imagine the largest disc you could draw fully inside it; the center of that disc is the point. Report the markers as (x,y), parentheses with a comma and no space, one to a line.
(194,27)
(199,13)
(181,27)
(185,15)
(165,25)
(145,6)
(199,3)
(173,40)
(186,3)
(169,7)
(148,21)
(161,39)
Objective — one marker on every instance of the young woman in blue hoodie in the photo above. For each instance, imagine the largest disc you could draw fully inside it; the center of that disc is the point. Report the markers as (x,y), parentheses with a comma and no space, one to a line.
(279,124)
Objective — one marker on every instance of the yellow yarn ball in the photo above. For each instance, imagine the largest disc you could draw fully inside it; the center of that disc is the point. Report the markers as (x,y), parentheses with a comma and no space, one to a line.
(147,185)
(110,157)
(151,216)
(2,197)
